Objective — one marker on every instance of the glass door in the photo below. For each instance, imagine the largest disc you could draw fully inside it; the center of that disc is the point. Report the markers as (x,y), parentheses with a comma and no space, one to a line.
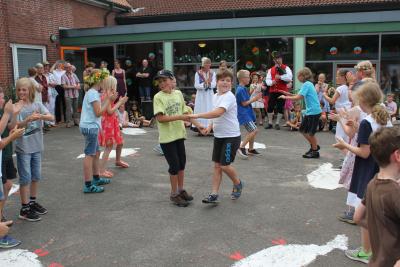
(77,56)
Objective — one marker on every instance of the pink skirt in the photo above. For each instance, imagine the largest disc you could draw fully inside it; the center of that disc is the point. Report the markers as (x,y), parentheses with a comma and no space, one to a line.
(288,104)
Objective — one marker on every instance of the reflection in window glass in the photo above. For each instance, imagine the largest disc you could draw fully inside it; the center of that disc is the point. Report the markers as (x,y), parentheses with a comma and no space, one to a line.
(318,68)
(153,52)
(390,63)
(192,52)
(360,47)
(255,54)
(185,75)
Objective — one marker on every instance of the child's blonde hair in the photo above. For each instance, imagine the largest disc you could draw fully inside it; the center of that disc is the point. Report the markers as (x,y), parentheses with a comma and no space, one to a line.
(366,68)
(109,83)
(242,73)
(26,82)
(370,94)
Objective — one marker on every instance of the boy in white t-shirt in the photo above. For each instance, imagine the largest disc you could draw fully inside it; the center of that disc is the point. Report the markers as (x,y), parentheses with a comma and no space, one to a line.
(227,135)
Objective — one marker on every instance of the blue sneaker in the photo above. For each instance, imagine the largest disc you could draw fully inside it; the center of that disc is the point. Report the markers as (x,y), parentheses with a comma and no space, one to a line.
(93,189)
(9,242)
(158,149)
(211,199)
(101,181)
(237,191)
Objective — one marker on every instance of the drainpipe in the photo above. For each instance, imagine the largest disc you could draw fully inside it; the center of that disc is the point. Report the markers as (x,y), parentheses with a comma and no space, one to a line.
(107,14)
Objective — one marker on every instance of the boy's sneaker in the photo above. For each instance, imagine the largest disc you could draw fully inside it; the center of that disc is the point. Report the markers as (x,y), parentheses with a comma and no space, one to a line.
(211,199)
(29,215)
(314,154)
(8,242)
(277,127)
(101,181)
(268,126)
(93,189)
(347,217)
(179,201)
(36,207)
(358,255)
(237,191)
(183,194)
(242,152)
(253,152)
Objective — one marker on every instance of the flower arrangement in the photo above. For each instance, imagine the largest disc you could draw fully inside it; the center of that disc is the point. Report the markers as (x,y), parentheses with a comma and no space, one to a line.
(96,76)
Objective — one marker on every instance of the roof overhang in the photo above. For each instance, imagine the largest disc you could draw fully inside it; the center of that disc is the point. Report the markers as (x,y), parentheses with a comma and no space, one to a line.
(106,5)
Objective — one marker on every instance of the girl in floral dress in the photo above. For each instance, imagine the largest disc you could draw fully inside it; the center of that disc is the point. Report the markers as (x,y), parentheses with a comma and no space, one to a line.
(110,133)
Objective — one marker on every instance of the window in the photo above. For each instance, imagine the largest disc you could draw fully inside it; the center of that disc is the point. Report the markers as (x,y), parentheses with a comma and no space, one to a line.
(187,58)
(255,54)
(331,48)
(318,68)
(390,63)
(26,56)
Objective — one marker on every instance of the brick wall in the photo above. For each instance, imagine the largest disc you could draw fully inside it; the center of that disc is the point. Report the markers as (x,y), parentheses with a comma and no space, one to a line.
(32,22)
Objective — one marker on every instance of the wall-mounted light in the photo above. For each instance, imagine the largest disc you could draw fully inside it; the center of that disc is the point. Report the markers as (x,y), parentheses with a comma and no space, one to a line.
(202,44)
(53,38)
(311,41)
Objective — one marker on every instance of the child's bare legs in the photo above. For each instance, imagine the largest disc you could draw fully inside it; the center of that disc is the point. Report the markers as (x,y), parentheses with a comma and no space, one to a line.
(87,168)
(258,115)
(249,138)
(103,162)
(286,114)
(145,123)
(118,161)
(6,189)
(366,245)
(312,140)
(217,178)
(95,166)
(181,177)
(34,188)
(24,194)
(174,183)
(231,172)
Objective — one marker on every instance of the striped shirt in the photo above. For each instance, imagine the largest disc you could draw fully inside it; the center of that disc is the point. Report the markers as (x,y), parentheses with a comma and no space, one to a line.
(70,79)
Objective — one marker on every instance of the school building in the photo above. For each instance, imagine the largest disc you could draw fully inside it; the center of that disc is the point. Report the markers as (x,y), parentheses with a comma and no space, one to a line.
(323,35)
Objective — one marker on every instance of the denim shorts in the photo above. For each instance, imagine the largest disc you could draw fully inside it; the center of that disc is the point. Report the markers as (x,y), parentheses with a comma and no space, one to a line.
(29,167)
(91,141)
(1,192)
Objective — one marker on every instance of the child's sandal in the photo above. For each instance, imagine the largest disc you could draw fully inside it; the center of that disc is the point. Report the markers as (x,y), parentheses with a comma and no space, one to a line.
(122,164)
(107,174)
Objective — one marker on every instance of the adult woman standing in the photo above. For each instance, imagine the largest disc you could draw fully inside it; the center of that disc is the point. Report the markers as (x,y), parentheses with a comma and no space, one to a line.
(58,72)
(119,74)
(204,82)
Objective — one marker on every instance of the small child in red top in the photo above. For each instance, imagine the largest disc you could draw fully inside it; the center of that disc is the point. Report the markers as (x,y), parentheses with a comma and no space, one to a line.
(110,133)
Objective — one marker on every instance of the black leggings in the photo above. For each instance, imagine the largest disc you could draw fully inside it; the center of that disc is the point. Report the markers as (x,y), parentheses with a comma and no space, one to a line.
(175,155)
(275,101)
(60,103)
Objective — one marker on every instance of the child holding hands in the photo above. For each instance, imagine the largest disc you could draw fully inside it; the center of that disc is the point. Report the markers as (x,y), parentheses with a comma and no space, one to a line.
(226,129)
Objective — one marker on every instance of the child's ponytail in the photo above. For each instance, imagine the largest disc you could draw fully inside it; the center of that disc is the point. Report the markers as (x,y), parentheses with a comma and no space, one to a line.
(380,114)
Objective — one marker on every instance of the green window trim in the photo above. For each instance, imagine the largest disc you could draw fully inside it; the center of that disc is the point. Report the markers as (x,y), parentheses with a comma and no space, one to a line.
(235,33)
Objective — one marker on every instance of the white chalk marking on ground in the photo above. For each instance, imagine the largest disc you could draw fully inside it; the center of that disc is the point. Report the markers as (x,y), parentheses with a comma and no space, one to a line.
(325,177)
(291,255)
(19,258)
(133,131)
(125,152)
(14,189)
(257,145)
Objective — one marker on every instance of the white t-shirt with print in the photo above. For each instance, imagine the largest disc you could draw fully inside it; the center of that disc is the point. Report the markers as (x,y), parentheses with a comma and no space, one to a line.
(227,125)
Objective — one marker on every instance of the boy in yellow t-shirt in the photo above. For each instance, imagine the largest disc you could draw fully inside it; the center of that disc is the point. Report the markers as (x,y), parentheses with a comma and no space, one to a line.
(169,110)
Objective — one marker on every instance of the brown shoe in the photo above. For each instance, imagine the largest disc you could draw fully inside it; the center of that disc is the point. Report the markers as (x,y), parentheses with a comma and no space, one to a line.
(183,194)
(179,201)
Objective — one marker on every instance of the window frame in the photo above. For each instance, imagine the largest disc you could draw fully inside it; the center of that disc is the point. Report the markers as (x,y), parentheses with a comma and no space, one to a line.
(14,50)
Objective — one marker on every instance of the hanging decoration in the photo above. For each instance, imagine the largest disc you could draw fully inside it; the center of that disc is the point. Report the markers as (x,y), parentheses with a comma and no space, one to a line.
(151,56)
(357,50)
(333,51)
(249,64)
(255,50)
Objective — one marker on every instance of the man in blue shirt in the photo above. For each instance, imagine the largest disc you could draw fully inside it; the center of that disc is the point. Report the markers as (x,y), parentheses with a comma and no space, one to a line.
(246,115)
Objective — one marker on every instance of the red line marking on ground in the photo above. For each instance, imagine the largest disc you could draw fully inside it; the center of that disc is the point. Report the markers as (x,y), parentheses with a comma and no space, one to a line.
(55,264)
(279,241)
(41,252)
(236,256)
